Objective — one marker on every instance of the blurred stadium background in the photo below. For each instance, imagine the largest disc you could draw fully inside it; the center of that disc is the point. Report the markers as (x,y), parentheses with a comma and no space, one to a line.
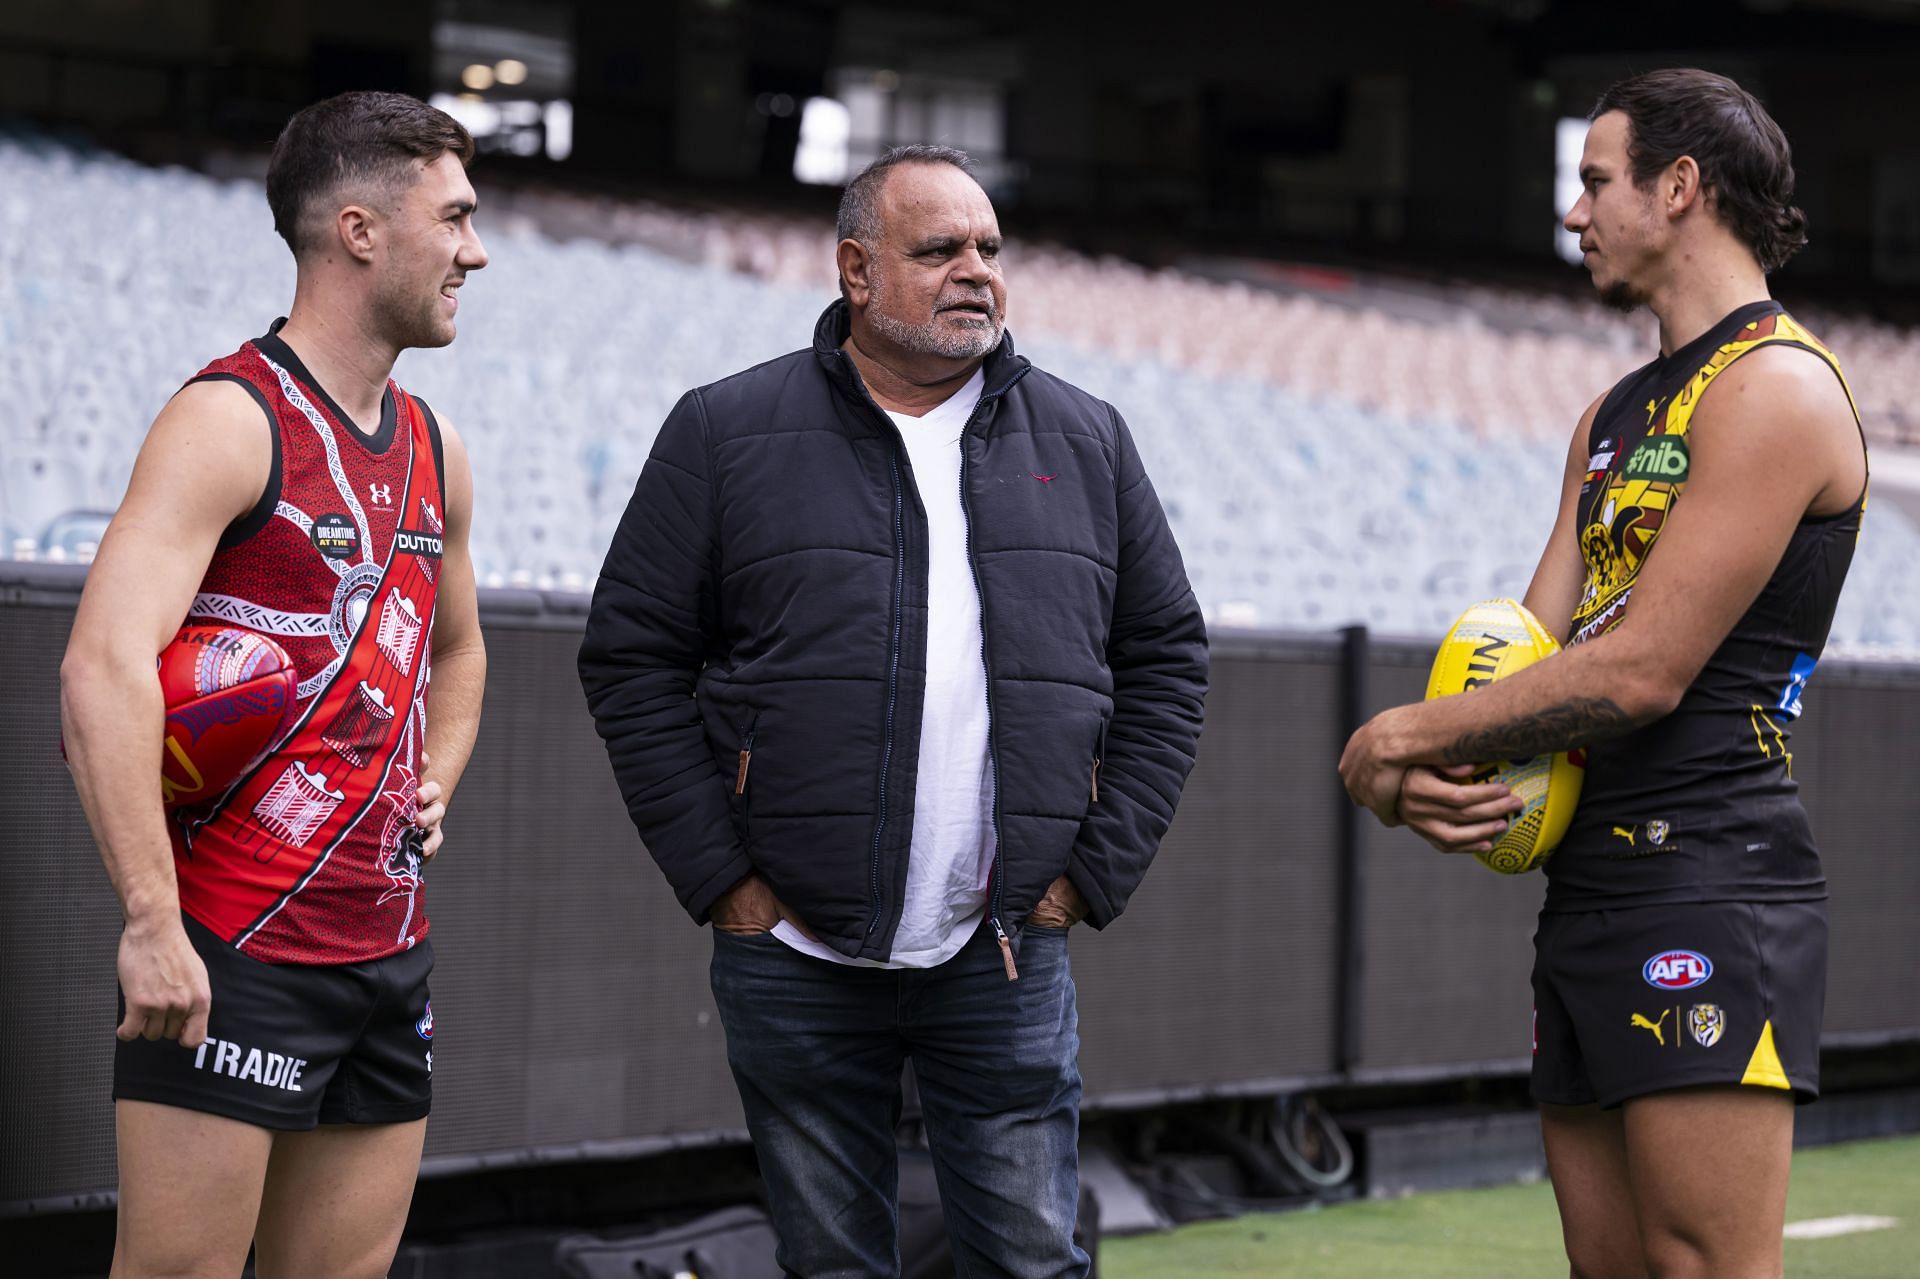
(1311,252)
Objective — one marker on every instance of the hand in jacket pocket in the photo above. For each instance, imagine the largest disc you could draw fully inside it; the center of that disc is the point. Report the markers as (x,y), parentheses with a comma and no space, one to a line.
(750,907)
(1061,906)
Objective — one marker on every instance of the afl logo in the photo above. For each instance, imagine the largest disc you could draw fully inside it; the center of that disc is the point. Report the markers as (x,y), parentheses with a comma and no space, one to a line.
(424,1027)
(1677,970)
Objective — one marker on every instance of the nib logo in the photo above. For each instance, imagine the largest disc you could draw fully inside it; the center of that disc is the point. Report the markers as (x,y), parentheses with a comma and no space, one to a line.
(1663,458)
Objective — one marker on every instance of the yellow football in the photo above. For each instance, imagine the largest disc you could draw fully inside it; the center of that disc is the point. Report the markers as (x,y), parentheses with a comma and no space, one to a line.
(1491,641)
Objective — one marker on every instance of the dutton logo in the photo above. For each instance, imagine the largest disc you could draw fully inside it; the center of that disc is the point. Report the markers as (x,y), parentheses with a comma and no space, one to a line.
(1677,970)
(424,1027)
(414,542)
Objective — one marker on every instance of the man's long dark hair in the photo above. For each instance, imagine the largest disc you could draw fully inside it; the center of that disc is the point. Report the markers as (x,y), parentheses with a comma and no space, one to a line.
(1746,166)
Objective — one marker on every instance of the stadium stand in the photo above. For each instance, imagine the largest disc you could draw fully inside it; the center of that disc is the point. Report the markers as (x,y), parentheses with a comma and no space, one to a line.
(1324,459)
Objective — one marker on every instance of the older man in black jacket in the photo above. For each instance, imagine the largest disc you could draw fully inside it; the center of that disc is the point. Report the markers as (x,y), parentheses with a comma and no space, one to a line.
(901,677)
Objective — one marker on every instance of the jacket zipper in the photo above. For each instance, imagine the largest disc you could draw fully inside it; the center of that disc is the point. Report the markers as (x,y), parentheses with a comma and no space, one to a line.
(746,758)
(1099,757)
(893,670)
(998,884)
(893,683)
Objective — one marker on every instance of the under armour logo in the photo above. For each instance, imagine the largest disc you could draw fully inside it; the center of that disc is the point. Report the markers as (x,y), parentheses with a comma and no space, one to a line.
(381,494)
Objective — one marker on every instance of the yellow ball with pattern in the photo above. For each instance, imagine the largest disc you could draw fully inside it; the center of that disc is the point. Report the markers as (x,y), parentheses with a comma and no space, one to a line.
(1491,641)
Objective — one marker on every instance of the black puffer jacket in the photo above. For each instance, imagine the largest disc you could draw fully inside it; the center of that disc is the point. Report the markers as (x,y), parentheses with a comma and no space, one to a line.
(756,653)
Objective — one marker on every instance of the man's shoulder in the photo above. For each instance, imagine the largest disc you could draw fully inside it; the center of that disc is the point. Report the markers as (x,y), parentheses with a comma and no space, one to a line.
(1051,403)
(734,402)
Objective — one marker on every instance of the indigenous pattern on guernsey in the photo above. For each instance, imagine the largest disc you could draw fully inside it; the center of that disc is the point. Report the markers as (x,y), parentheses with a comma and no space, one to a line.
(312,857)
(1700,805)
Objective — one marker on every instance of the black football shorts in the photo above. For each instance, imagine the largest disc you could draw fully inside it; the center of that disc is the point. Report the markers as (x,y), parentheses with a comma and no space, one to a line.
(1636,1001)
(290,1046)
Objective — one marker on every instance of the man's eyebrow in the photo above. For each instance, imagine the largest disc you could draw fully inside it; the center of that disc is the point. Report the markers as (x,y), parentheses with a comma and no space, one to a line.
(942,242)
(1588,172)
(462,206)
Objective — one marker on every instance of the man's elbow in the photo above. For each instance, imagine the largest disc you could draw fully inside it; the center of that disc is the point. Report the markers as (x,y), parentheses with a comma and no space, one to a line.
(76,673)
(1652,691)
(99,685)
(87,668)
(467,651)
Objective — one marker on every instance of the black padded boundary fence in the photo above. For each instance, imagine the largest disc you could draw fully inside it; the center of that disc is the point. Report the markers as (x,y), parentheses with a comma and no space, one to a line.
(1275,946)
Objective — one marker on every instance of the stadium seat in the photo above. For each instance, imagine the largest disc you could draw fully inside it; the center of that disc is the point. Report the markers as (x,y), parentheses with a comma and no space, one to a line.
(1322,460)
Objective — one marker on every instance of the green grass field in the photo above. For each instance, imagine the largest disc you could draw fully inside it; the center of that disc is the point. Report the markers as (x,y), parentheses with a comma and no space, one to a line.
(1513,1231)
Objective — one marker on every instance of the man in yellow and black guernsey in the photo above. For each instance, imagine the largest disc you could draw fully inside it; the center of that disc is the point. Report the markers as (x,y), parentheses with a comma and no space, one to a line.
(1708,514)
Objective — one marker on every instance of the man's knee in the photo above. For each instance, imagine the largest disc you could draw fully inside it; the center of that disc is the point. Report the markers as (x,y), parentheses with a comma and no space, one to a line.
(1610,1256)
(1675,1252)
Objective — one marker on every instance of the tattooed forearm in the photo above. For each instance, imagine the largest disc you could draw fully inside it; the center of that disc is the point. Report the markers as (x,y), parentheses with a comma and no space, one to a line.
(1572,723)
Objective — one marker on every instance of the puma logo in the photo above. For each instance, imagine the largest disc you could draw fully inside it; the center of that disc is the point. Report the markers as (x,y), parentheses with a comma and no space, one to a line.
(1654,1026)
(1626,833)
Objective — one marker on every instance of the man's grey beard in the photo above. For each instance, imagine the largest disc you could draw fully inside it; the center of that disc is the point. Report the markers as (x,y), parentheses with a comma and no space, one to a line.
(932,338)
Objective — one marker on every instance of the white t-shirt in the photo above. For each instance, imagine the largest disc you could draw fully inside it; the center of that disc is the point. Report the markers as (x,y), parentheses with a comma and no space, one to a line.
(952,851)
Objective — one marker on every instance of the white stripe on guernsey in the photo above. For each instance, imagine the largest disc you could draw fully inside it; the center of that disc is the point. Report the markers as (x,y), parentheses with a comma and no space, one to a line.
(299,401)
(308,687)
(1828,1227)
(255,618)
(295,516)
(304,522)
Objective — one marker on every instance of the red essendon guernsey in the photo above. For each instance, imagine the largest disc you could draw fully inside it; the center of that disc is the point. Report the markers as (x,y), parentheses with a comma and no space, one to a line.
(312,857)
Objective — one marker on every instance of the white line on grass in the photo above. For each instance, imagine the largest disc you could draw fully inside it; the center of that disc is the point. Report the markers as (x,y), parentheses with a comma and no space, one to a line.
(1828,1227)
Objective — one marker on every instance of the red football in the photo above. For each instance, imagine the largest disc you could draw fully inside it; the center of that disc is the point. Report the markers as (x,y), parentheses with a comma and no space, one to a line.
(228,692)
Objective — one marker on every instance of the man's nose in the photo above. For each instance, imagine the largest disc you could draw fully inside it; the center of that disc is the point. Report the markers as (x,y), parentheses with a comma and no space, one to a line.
(971,265)
(473,254)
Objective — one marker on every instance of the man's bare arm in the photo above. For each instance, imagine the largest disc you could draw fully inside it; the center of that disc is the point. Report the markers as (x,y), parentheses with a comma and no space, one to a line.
(459,653)
(1773,440)
(205,463)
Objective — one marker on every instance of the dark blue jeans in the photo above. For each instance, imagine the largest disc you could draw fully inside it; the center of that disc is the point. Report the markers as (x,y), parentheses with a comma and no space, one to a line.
(817,1050)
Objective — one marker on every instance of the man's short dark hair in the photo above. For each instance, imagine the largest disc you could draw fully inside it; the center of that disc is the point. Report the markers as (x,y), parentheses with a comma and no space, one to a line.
(1746,166)
(860,202)
(361,139)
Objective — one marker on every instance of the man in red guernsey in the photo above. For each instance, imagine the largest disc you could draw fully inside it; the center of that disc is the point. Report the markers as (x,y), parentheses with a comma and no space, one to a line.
(273,1073)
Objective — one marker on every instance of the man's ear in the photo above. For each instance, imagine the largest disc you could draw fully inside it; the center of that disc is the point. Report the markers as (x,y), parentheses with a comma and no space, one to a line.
(358,230)
(851,256)
(1681,186)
